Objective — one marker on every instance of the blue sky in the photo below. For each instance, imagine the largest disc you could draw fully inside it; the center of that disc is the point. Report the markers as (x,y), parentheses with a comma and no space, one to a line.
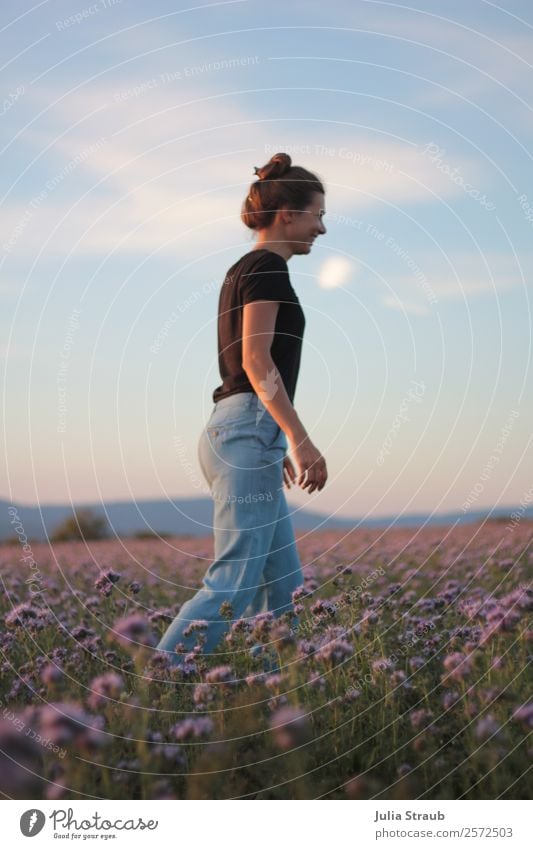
(130,134)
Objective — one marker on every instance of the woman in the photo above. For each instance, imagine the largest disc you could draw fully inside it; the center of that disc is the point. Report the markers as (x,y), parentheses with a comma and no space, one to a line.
(242,448)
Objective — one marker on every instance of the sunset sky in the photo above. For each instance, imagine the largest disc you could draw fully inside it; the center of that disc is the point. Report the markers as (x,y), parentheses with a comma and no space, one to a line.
(130,133)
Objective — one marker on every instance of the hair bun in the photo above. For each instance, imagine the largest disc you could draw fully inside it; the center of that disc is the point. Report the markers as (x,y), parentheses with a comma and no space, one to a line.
(278,165)
(279,184)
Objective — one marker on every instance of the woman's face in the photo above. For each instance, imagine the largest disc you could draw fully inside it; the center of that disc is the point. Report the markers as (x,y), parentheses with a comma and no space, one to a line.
(305,225)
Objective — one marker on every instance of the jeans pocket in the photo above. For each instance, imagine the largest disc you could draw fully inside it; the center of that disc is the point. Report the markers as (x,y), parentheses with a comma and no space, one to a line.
(265,433)
(216,431)
(224,418)
(268,435)
(220,434)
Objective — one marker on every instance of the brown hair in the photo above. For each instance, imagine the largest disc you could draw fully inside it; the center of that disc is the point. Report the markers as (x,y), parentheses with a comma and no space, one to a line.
(279,184)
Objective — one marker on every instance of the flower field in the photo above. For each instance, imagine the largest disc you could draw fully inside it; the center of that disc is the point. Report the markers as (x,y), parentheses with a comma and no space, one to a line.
(404,672)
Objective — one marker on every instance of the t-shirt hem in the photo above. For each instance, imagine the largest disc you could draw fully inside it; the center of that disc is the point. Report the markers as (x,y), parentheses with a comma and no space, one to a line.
(230,392)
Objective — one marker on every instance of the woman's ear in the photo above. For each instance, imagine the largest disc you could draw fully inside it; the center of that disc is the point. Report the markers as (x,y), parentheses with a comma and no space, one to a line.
(285,215)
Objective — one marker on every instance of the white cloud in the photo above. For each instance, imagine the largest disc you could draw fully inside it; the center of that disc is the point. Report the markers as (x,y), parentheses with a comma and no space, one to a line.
(194,184)
(465,277)
(412,307)
(472,274)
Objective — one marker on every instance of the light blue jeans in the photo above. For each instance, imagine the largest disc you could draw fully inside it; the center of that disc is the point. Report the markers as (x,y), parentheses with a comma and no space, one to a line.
(256,566)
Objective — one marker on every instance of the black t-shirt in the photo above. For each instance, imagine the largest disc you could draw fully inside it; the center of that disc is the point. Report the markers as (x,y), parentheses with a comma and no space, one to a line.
(259,275)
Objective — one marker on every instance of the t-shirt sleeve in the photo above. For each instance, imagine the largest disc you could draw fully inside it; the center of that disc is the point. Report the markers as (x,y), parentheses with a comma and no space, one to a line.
(268,280)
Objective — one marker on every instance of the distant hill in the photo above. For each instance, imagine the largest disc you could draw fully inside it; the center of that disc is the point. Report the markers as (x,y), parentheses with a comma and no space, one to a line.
(194,517)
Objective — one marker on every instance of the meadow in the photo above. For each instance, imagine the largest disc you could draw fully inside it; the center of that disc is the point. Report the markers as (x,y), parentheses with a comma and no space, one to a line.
(402,673)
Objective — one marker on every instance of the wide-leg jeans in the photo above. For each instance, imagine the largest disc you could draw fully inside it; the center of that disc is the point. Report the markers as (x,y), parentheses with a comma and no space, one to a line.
(256,565)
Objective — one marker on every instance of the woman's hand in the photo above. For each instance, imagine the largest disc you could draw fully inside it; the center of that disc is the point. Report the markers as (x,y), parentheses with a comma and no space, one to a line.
(289,473)
(313,473)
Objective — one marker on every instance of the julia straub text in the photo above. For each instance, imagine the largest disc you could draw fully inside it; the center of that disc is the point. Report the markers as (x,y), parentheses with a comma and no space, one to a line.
(407,815)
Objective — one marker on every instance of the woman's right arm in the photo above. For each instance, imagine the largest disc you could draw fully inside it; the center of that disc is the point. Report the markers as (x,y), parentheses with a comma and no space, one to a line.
(258,325)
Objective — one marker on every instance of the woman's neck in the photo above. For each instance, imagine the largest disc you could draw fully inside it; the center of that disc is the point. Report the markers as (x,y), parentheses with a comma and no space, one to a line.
(277,247)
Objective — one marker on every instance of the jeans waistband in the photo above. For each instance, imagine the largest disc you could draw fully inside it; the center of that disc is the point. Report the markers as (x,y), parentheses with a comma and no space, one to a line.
(241,400)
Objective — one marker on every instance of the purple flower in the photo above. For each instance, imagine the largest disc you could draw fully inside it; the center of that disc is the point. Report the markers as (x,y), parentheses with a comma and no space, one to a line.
(255,678)
(202,695)
(51,674)
(487,727)
(357,787)
(134,587)
(104,582)
(399,677)
(524,714)
(21,615)
(105,687)
(92,601)
(262,624)
(490,694)
(193,728)
(503,620)
(111,656)
(323,607)
(80,632)
(163,615)
(450,699)
(369,617)
(336,651)
(457,665)
(130,631)
(241,626)
(306,648)
(66,722)
(404,769)
(352,694)
(298,593)
(112,576)
(219,674)
(226,610)
(419,717)
(174,754)
(316,681)
(290,727)
(163,790)
(274,681)
(277,702)
(490,631)
(195,625)
(382,664)
(189,667)
(281,634)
